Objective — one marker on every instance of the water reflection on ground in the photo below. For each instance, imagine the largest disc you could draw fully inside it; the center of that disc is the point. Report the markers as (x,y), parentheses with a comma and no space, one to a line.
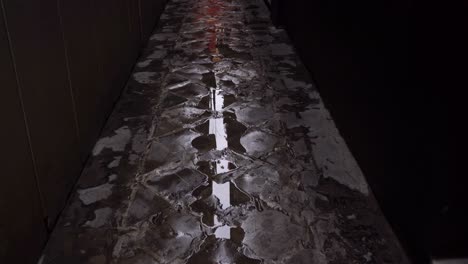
(221,151)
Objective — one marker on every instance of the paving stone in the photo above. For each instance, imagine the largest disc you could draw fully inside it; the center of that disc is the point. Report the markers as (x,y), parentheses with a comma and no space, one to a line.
(221,151)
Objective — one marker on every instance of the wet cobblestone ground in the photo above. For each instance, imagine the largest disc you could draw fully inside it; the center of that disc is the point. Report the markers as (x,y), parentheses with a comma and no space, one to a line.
(221,151)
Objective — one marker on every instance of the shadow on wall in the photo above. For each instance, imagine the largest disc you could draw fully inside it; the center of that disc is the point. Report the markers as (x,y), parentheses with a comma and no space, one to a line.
(62,68)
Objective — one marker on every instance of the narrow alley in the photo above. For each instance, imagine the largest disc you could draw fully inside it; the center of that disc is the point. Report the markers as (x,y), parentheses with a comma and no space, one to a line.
(220,150)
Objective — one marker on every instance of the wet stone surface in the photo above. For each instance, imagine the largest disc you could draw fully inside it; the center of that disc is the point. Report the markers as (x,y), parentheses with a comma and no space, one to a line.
(221,151)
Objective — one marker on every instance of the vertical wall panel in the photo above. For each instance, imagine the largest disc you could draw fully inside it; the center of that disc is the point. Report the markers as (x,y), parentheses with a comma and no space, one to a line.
(116,27)
(21,225)
(100,34)
(69,61)
(150,10)
(134,30)
(110,23)
(79,22)
(119,64)
(129,38)
(37,45)
(118,40)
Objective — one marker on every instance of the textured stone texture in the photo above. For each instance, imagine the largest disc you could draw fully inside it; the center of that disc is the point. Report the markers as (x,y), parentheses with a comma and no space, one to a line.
(221,151)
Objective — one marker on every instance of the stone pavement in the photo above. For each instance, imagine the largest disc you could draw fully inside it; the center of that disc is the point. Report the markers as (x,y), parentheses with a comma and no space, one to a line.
(220,150)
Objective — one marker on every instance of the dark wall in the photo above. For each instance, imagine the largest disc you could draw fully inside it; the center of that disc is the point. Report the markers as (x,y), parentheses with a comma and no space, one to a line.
(22,216)
(63,64)
(440,68)
(359,55)
(39,56)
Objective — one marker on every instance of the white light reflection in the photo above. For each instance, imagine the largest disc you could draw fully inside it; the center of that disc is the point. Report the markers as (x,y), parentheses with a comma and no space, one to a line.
(222,231)
(217,127)
(221,191)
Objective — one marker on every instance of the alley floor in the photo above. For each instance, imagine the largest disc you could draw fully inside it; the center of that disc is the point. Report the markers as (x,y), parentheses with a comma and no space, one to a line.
(220,150)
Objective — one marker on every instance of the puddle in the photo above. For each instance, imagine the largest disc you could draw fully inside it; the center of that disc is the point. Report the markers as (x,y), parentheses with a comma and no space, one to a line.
(222,130)
(220,133)
(209,79)
(258,143)
(234,206)
(171,151)
(190,90)
(214,251)
(234,164)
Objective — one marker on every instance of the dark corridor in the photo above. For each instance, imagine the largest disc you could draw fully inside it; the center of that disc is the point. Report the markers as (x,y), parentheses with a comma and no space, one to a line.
(218,131)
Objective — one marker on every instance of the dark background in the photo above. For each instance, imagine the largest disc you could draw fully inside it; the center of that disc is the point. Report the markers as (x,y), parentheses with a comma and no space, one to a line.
(392,75)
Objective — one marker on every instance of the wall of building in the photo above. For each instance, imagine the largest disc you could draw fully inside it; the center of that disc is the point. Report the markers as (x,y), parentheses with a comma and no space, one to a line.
(63,64)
